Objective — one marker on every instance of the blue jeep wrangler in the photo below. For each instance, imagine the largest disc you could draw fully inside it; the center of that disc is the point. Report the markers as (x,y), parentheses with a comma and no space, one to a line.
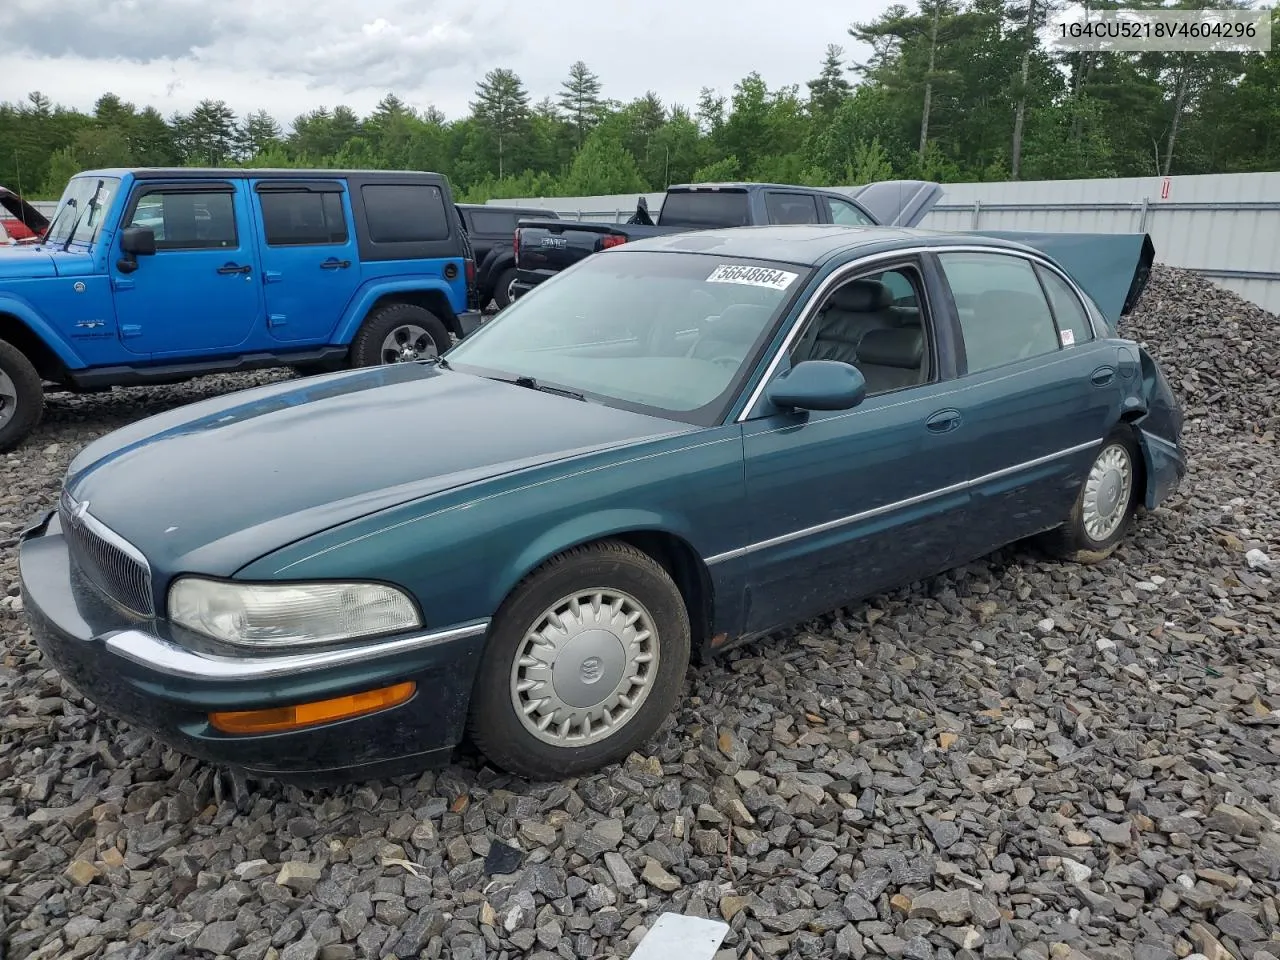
(157,276)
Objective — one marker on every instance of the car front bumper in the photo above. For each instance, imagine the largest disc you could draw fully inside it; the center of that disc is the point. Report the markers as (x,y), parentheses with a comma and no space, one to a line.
(133,673)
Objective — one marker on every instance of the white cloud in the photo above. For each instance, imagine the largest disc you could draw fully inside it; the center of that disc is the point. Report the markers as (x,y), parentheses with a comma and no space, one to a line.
(292,58)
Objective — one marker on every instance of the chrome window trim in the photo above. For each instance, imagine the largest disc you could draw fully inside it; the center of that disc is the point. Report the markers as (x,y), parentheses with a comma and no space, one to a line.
(841,275)
(897,504)
(168,658)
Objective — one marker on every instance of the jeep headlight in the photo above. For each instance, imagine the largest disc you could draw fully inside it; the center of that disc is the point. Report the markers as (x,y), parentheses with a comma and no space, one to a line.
(289,614)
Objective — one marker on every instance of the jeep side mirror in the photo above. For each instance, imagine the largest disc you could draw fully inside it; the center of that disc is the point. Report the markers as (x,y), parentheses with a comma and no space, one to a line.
(135,242)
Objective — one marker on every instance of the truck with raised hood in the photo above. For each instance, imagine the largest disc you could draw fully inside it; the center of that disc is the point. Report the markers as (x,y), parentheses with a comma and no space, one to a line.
(545,247)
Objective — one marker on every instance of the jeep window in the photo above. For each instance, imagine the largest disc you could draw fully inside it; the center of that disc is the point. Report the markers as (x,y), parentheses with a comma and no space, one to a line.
(87,211)
(303,218)
(405,213)
(705,208)
(188,220)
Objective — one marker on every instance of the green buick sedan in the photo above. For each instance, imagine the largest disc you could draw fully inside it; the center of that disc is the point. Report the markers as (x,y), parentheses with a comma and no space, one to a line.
(676,445)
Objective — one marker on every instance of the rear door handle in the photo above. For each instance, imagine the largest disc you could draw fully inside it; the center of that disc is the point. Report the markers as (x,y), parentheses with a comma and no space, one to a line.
(1102,376)
(228,268)
(333,263)
(944,421)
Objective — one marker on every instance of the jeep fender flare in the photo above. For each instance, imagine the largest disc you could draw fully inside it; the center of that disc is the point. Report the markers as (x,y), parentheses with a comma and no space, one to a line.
(25,314)
(367,297)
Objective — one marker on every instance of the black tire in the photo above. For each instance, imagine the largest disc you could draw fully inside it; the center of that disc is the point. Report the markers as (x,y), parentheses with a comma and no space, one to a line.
(366,348)
(494,724)
(502,288)
(1072,541)
(20,413)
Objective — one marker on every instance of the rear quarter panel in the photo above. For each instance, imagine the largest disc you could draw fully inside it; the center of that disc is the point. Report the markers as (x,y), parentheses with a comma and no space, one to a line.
(462,552)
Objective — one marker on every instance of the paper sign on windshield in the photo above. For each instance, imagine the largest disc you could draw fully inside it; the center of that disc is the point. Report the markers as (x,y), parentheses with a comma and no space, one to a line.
(752,276)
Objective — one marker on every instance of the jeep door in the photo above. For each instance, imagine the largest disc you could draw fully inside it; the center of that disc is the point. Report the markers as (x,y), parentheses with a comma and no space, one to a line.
(199,294)
(310,264)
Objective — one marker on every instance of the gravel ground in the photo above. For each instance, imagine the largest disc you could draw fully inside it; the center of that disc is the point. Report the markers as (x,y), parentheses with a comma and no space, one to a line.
(1018,760)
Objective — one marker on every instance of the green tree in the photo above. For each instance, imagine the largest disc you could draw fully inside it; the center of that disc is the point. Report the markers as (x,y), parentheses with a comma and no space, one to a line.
(830,88)
(580,100)
(501,110)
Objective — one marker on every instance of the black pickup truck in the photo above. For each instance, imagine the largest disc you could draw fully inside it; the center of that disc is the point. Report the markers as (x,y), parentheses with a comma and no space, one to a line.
(492,230)
(545,247)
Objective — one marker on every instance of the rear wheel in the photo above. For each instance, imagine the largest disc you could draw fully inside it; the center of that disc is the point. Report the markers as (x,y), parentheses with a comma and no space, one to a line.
(21,396)
(584,662)
(1106,505)
(399,333)
(504,288)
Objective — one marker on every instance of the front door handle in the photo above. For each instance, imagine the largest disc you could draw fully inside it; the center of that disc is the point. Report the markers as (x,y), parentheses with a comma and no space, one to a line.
(1102,376)
(944,421)
(333,263)
(228,268)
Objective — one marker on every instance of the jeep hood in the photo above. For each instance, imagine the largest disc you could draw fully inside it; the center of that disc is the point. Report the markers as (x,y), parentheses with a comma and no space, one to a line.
(211,486)
(21,262)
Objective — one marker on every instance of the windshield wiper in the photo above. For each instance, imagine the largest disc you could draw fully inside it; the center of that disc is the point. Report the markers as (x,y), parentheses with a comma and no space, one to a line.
(48,231)
(533,384)
(93,205)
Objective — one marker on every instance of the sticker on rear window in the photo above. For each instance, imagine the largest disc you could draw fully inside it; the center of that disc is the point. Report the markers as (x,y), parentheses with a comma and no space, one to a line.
(1068,337)
(752,276)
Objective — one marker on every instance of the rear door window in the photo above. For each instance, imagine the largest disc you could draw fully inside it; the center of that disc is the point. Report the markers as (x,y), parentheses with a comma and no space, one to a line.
(791,207)
(303,218)
(1004,315)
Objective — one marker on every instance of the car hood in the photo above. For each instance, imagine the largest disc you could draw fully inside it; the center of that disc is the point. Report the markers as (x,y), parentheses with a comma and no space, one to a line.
(214,485)
(25,262)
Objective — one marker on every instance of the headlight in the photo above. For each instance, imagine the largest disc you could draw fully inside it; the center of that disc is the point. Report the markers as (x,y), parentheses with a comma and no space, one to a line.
(289,614)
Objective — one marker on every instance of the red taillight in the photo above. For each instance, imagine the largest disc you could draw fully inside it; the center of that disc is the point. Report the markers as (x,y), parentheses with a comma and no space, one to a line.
(471,271)
(612,240)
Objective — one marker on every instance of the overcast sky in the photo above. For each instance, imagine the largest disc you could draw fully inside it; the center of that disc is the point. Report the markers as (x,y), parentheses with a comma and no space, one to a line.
(291,56)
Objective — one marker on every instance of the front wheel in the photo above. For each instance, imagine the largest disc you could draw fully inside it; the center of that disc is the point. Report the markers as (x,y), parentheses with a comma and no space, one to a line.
(585,660)
(399,333)
(1106,504)
(21,396)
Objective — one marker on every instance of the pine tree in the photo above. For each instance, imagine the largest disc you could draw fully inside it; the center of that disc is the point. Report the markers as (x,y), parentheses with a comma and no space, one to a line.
(501,109)
(580,99)
(828,91)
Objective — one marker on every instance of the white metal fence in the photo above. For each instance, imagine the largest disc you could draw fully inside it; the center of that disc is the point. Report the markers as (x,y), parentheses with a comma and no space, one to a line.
(1224,226)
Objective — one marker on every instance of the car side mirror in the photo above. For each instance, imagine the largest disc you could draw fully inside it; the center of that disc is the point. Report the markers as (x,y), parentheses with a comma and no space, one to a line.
(819,385)
(135,242)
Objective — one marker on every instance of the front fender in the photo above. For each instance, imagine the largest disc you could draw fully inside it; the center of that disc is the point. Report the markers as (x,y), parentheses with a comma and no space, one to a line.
(374,291)
(22,309)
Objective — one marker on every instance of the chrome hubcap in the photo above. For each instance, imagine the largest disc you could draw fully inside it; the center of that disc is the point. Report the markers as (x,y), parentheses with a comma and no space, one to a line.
(585,667)
(408,343)
(511,290)
(8,398)
(1106,492)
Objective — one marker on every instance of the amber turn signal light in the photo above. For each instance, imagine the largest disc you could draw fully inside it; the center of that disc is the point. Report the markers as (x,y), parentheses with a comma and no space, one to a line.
(278,719)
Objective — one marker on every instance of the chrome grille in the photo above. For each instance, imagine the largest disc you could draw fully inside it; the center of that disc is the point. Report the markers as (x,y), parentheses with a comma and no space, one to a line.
(113,564)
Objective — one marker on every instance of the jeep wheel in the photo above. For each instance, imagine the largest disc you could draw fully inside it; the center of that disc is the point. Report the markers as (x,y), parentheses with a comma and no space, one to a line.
(503,293)
(584,661)
(21,396)
(399,333)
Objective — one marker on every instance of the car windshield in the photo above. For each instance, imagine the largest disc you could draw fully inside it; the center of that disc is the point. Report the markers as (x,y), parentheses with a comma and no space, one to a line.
(82,209)
(665,333)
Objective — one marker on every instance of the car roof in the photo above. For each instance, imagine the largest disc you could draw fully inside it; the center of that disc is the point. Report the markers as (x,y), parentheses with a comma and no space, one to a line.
(804,244)
(201,173)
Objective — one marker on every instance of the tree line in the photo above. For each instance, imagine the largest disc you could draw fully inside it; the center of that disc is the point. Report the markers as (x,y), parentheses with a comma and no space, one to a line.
(954,91)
